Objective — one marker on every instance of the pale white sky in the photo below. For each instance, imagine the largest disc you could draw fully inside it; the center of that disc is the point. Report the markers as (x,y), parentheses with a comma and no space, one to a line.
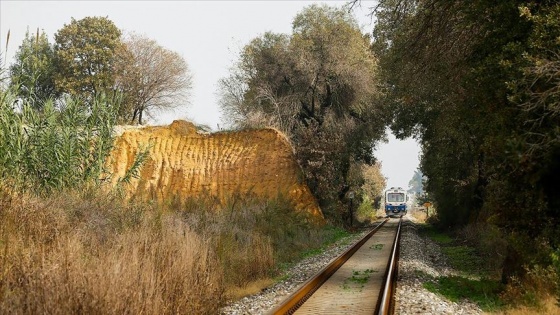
(399,159)
(209,36)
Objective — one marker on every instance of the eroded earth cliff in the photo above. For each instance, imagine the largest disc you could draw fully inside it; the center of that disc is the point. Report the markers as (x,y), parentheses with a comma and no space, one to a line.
(183,163)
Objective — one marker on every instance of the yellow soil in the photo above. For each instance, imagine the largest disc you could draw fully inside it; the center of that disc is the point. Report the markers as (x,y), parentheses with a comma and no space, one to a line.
(183,163)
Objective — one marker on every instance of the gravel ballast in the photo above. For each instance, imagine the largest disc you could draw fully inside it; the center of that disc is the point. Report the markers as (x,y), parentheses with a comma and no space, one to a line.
(420,259)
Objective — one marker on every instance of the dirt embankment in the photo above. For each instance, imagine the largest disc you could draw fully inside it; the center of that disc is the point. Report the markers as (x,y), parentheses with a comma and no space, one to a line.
(183,163)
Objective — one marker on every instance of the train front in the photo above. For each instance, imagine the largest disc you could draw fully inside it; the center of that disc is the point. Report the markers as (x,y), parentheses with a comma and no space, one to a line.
(395,202)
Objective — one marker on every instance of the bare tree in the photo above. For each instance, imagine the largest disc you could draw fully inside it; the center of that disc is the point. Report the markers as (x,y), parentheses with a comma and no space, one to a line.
(150,78)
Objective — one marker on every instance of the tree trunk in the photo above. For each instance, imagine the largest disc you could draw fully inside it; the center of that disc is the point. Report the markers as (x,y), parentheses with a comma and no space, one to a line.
(512,267)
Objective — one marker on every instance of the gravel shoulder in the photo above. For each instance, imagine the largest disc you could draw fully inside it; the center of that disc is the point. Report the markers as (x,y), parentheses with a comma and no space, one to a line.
(420,259)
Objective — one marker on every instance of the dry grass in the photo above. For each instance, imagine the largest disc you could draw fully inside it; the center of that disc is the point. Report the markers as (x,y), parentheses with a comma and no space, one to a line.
(534,292)
(251,288)
(418,214)
(95,255)
(254,238)
(548,305)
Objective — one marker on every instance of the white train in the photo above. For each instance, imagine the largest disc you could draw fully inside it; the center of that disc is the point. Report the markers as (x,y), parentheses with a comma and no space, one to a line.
(395,201)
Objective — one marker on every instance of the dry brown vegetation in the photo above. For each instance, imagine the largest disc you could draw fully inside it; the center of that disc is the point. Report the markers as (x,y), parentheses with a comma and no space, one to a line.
(534,294)
(95,254)
(549,305)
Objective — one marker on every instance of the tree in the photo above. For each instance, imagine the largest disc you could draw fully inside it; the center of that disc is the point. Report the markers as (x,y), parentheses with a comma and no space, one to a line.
(32,74)
(85,55)
(416,184)
(319,86)
(258,91)
(477,83)
(366,184)
(150,77)
(374,182)
(441,65)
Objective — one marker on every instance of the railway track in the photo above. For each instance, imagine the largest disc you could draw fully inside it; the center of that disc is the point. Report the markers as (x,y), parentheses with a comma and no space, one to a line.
(360,281)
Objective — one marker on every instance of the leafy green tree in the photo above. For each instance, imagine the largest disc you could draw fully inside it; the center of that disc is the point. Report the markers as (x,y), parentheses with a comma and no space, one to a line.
(85,54)
(441,62)
(477,83)
(150,77)
(366,183)
(32,73)
(319,86)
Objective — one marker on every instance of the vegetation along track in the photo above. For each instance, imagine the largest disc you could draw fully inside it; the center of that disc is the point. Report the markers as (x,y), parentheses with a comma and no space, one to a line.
(360,281)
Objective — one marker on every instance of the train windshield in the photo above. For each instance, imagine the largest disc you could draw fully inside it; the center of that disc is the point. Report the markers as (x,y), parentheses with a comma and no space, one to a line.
(394,197)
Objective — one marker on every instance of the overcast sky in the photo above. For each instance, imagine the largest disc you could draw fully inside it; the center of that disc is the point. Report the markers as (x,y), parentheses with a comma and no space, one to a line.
(207,34)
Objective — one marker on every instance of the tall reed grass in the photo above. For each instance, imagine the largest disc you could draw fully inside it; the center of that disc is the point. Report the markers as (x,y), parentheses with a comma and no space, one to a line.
(62,145)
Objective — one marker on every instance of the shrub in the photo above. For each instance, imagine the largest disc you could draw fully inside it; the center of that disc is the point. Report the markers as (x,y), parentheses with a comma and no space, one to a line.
(489,242)
(537,285)
(365,212)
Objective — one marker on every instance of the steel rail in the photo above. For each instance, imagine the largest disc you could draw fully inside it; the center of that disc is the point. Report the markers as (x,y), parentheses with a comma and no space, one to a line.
(386,305)
(290,305)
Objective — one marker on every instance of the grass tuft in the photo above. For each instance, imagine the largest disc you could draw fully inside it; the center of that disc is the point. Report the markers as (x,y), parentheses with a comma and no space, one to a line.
(483,292)
(474,281)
